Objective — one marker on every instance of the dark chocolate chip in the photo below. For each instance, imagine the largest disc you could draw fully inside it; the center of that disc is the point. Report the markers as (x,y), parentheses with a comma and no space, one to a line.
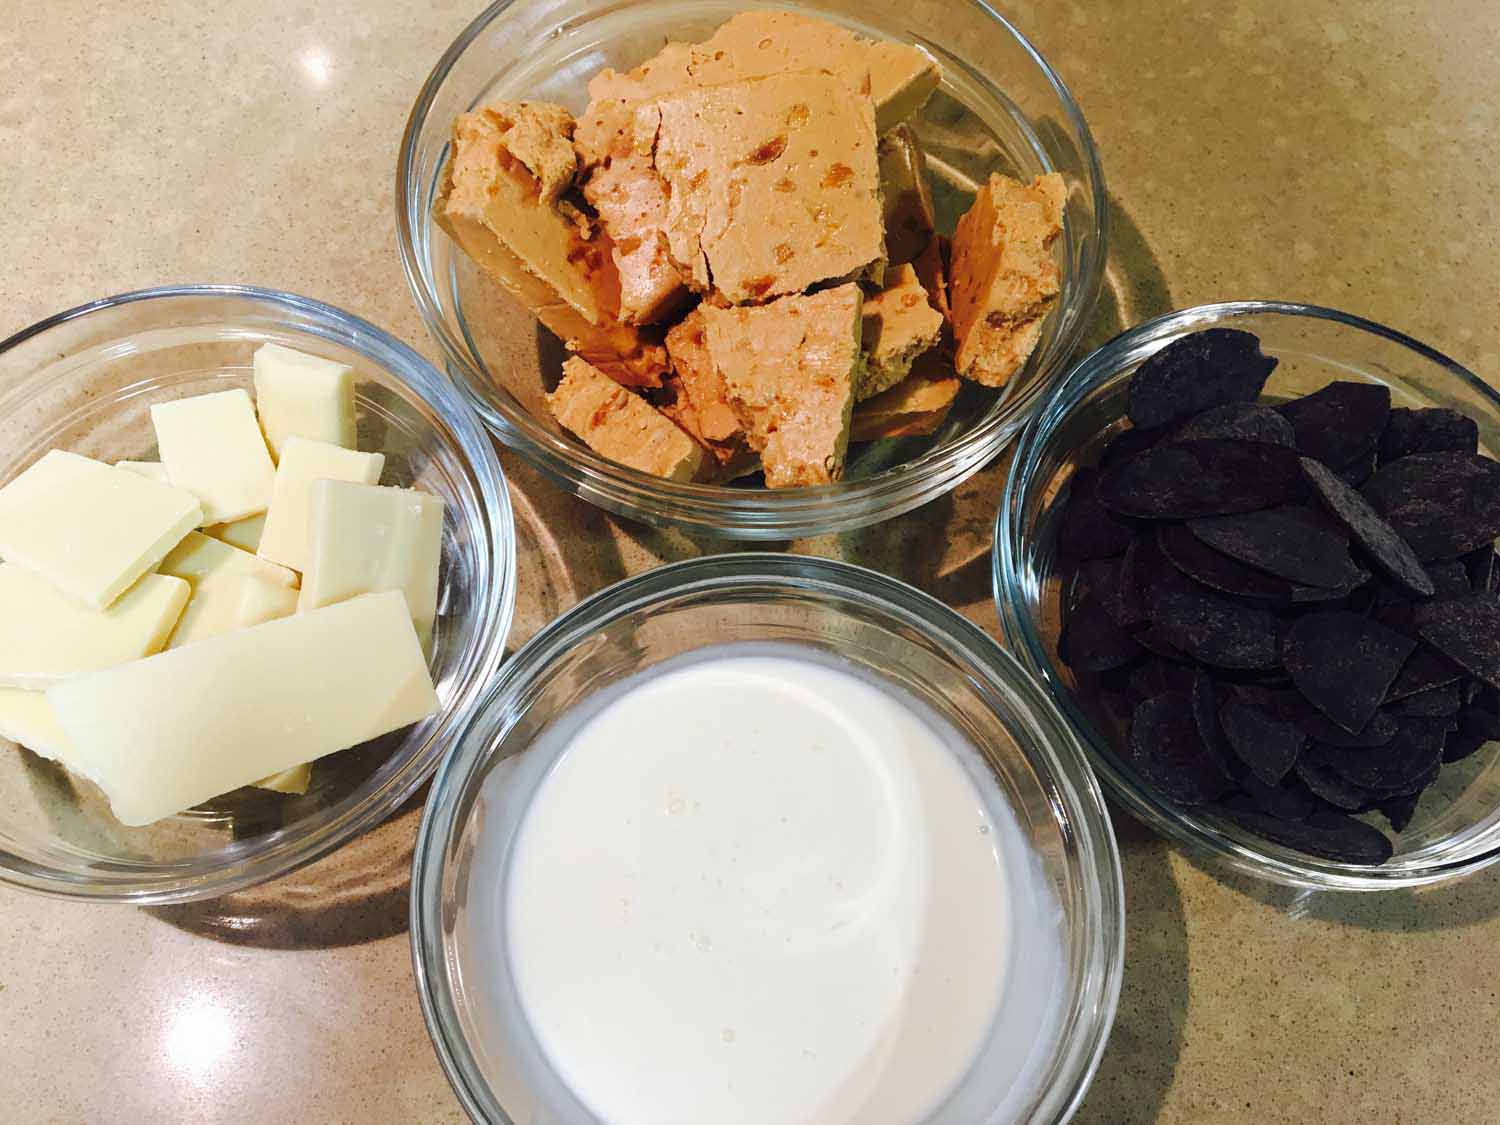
(1210,627)
(1210,477)
(1216,570)
(1091,640)
(1267,744)
(1443,504)
(1390,552)
(1165,748)
(1088,530)
(1340,423)
(1325,833)
(1466,630)
(1433,430)
(1344,663)
(1241,420)
(1290,542)
(1197,372)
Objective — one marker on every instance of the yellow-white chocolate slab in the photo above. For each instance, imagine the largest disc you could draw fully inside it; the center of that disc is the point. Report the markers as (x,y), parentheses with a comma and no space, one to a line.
(93,535)
(200,557)
(244,534)
(151,470)
(164,734)
(212,446)
(45,636)
(302,462)
(228,602)
(293,781)
(300,395)
(52,469)
(363,539)
(26,719)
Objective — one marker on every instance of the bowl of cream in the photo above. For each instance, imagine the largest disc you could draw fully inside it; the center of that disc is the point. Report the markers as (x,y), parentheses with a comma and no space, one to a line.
(766,838)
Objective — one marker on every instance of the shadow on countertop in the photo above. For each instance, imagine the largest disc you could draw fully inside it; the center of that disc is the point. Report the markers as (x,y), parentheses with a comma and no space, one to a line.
(1140,1061)
(1470,901)
(358,894)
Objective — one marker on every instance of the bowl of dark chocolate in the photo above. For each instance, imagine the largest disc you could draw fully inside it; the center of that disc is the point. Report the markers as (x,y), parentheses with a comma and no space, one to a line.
(1249,548)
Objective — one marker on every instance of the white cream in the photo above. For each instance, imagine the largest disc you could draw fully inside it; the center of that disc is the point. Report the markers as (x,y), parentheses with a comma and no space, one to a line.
(758,887)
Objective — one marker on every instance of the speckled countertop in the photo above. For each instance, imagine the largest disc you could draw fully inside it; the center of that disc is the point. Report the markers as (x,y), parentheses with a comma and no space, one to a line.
(1332,151)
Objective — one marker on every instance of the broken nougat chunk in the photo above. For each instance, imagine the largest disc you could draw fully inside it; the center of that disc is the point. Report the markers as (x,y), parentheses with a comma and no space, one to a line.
(789,369)
(631,200)
(899,325)
(622,426)
(909,219)
(898,77)
(773,184)
(495,205)
(702,405)
(932,271)
(1003,278)
(916,406)
(624,188)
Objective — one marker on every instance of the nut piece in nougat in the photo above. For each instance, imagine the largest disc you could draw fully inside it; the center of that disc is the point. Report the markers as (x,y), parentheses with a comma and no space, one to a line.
(898,76)
(774,184)
(544,252)
(910,223)
(622,426)
(789,369)
(899,325)
(915,406)
(1004,279)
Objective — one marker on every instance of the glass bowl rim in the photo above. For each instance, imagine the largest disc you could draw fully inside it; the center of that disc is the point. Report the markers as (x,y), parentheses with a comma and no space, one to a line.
(743,513)
(176,883)
(1009,582)
(1087,826)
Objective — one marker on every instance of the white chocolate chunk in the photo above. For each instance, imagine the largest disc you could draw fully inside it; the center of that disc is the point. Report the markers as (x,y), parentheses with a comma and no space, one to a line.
(244,534)
(200,557)
(364,539)
(293,781)
(164,734)
(26,719)
(151,470)
(212,446)
(302,462)
(46,636)
(231,601)
(93,535)
(301,395)
(53,469)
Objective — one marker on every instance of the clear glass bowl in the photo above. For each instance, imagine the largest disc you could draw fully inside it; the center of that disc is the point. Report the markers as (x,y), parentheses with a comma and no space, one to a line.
(1456,829)
(860,618)
(84,381)
(1001,108)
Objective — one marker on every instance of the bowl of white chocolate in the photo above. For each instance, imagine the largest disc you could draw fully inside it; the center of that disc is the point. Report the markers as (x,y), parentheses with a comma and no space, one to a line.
(256,568)
(746,270)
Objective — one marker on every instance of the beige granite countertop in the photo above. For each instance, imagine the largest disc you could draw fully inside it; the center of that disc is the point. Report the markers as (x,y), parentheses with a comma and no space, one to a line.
(1336,151)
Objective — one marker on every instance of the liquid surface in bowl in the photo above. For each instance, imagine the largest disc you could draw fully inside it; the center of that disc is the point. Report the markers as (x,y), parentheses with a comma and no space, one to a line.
(757,886)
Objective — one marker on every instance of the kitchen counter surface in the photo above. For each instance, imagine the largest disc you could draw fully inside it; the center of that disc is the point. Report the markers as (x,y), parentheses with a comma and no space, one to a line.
(1333,151)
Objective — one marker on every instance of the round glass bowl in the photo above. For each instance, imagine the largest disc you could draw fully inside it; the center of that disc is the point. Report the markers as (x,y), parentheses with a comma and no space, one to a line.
(1456,829)
(84,381)
(867,623)
(1001,108)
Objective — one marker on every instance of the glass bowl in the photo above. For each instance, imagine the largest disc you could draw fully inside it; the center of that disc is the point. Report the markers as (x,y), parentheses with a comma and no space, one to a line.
(1456,829)
(1001,108)
(864,621)
(84,381)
